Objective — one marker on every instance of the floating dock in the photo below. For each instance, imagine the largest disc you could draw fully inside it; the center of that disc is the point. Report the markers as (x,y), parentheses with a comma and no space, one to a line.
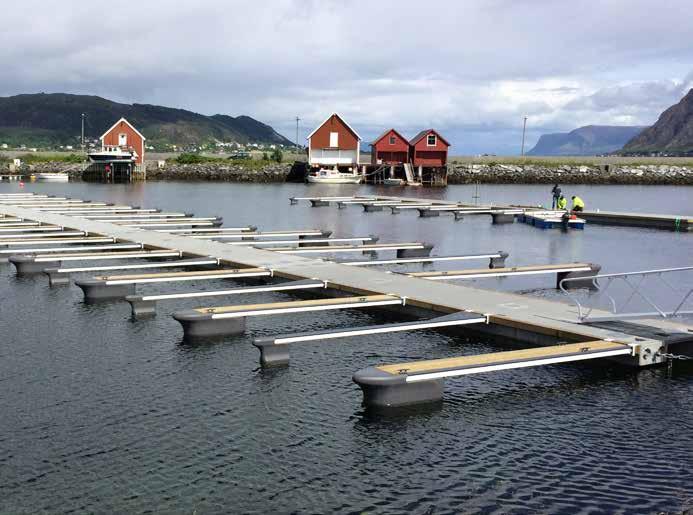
(548,328)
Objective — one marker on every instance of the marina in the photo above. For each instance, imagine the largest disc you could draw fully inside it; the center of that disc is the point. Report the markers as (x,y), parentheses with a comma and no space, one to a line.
(538,322)
(438,323)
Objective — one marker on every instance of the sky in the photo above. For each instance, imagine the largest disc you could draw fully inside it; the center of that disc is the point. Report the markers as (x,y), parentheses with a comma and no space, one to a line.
(471,69)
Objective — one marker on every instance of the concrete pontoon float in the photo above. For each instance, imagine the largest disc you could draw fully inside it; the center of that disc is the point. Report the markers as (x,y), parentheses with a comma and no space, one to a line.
(145,305)
(563,271)
(230,320)
(120,286)
(650,221)
(388,386)
(274,350)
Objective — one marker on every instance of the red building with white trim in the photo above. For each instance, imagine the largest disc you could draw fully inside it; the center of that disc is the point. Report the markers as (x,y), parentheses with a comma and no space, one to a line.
(334,143)
(390,148)
(429,149)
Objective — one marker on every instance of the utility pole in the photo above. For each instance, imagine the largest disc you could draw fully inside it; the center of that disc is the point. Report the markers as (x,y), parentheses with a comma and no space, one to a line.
(83,131)
(524,127)
(297,120)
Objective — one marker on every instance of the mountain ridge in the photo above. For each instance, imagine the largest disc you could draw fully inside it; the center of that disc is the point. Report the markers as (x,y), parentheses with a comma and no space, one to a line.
(585,141)
(51,119)
(672,132)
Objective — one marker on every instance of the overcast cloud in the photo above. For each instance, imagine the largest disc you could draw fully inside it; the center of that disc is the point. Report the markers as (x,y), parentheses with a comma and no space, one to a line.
(472,69)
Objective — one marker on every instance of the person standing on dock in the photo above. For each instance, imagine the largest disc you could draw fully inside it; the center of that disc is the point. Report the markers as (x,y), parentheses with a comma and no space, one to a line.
(562,203)
(556,191)
(578,203)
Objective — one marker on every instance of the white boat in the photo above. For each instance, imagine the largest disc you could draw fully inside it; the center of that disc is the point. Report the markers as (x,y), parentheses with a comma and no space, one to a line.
(333,176)
(393,182)
(53,177)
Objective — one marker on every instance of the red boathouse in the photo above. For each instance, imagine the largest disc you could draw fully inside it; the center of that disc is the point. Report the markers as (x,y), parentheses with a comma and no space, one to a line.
(429,149)
(390,148)
(334,144)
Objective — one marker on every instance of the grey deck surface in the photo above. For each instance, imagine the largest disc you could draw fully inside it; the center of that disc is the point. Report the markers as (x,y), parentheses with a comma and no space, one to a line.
(546,316)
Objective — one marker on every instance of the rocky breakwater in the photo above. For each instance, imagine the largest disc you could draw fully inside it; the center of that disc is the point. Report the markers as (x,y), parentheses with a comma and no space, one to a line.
(275,172)
(495,173)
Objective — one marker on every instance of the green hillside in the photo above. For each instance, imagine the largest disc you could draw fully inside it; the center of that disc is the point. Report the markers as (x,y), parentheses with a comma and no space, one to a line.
(50,120)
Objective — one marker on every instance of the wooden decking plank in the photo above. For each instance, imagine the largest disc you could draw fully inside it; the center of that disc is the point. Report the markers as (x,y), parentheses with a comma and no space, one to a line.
(297,304)
(495,358)
(200,273)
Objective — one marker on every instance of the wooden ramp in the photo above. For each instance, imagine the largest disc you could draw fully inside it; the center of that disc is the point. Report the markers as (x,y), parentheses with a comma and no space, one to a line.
(421,381)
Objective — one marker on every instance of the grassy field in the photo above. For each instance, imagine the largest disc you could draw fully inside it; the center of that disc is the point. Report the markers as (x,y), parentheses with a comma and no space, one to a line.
(289,157)
(570,160)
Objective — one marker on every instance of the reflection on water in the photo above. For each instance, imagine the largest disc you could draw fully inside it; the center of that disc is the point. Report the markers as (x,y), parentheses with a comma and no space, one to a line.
(103,414)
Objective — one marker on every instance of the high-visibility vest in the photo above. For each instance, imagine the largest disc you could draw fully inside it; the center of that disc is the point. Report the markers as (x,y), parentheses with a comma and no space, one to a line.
(577,202)
(562,203)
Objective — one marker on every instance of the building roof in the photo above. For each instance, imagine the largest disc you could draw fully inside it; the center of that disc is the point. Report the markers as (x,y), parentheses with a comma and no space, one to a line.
(377,140)
(129,124)
(343,121)
(423,133)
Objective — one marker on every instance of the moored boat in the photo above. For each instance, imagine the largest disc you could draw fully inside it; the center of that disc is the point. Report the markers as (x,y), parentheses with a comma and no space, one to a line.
(333,176)
(53,177)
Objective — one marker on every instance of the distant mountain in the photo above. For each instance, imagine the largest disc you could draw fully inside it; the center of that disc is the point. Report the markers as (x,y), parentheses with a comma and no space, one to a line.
(585,141)
(673,132)
(44,120)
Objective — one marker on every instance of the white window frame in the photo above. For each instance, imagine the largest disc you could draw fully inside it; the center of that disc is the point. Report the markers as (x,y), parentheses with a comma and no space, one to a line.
(122,136)
(393,140)
(435,140)
(334,139)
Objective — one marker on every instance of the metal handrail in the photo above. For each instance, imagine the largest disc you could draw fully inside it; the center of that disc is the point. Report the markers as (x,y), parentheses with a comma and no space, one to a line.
(602,282)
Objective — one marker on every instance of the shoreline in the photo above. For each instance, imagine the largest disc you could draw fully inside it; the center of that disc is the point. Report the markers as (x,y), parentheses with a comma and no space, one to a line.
(492,173)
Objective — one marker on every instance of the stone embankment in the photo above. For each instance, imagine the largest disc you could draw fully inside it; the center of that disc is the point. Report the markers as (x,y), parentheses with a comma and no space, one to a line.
(569,174)
(458,173)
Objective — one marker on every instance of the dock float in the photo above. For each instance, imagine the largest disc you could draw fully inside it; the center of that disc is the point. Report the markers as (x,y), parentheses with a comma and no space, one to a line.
(650,221)
(231,320)
(57,276)
(274,350)
(145,305)
(400,384)
(565,271)
(120,286)
(496,260)
(36,264)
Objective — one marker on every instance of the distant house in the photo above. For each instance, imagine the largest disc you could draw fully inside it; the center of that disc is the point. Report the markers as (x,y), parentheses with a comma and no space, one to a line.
(390,148)
(123,136)
(429,149)
(121,156)
(334,143)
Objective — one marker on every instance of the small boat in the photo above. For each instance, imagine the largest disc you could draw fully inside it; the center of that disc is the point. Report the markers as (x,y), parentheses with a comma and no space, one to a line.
(392,181)
(333,176)
(414,183)
(52,177)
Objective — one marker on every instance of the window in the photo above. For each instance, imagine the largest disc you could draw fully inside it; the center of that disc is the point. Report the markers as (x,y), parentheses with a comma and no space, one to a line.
(431,140)
(392,140)
(334,139)
(122,139)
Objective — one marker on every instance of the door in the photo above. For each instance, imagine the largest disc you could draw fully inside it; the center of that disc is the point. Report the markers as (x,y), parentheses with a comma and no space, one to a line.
(122,140)
(334,139)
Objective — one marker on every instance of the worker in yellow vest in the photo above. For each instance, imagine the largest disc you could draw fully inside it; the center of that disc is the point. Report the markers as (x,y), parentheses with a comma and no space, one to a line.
(562,203)
(578,203)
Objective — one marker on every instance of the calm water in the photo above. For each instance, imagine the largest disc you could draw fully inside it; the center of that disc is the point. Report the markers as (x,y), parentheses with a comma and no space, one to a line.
(102,414)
